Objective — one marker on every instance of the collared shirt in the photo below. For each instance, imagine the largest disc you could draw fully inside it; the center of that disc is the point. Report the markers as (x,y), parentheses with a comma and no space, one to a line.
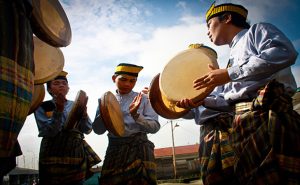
(209,109)
(51,122)
(146,122)
(257,56)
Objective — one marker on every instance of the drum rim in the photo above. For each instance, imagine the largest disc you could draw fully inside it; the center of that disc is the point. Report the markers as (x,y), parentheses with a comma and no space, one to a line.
(73,113)
(42,31)
(39,100)
(105,115)
(158,104)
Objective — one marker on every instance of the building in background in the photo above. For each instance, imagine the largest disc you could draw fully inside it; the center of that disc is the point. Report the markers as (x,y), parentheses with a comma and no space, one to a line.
(187,162)
(21,176)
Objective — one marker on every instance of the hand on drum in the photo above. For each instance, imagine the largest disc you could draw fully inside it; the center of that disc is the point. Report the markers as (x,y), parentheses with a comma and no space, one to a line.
(214,78)
(134,106)
(145,90)
(59,100)
(82,110)
(188,104)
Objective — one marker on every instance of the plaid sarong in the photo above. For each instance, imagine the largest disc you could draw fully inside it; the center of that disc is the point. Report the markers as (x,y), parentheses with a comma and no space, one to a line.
(129,161)
(16,73)
(266,140)
(65,159)
(215,152)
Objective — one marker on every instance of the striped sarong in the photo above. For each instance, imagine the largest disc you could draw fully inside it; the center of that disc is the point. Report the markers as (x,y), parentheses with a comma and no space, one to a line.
(16,73)
(215,152)
(65,159)
(130,161)
(266,140)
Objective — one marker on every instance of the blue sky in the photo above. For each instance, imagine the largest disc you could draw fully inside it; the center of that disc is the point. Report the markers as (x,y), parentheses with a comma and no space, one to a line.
(147,33)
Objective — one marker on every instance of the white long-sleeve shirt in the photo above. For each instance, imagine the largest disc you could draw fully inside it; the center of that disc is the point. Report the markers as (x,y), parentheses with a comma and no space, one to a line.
(147,122)
(49,126)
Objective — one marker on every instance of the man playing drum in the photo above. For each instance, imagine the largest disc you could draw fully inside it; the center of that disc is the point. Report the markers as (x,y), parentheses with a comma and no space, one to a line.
(129,158)
(258,84)
(65,157)
(215,152)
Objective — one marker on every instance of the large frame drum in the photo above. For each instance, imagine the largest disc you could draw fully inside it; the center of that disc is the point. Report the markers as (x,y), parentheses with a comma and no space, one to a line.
(177,77)
(76,112)
(50,23)
(48,60)
(111,114)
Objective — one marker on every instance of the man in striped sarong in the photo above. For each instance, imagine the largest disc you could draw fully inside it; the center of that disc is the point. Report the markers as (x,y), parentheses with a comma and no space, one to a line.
(266,139)
(259,54)
(16,77)
(216,154)
(129,159)
(65,157)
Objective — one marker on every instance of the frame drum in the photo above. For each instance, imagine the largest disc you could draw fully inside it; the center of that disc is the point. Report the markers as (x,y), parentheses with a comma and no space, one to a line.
(161,104)
(176,79)
(75,115)
(50,23)
(111,114)
(37,98)
(49,61)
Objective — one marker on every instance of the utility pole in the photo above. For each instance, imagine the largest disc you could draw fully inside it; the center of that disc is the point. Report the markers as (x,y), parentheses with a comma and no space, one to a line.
(24,160)
(173,151)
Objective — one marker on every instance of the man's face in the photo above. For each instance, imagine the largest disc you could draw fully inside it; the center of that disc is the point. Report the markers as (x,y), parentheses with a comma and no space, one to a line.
(216,31)
(59,86)
(124,83)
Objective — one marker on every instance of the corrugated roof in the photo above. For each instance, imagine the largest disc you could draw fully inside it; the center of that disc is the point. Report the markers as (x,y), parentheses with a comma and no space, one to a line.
(179,150)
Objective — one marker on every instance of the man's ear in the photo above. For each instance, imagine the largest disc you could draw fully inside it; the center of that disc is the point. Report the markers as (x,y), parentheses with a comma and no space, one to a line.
(227,17)
(114,78)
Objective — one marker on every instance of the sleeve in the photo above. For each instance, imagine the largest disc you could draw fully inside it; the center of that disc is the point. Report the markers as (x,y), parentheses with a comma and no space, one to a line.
(147,118)
(48,126)
(270,52)
(98,124)
(189,115)
(85,125)
(216,100)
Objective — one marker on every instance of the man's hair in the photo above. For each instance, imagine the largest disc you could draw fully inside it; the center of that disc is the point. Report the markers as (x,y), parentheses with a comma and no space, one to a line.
(236,19)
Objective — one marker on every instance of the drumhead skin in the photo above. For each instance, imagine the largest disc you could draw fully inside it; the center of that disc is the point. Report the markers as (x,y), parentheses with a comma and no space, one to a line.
(49,61)
(111,114)
(50,23)
(176,79)
(37,98)
(75,115)
(161,104)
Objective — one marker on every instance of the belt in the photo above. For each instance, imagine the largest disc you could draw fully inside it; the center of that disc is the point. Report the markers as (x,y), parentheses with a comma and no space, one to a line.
(242,107)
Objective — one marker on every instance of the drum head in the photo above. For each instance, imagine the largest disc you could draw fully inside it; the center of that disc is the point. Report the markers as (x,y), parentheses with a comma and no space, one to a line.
(176,79)
(161,104)
(75,115)
(37,98)
(48,61)
(111,114)
(50,23)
